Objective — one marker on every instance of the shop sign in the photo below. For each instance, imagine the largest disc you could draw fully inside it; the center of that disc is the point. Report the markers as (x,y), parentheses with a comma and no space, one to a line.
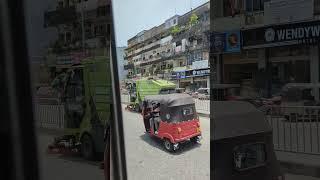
(181,75)
(200,64)
(232,41)
(227,42)
(202,72)
(280,35)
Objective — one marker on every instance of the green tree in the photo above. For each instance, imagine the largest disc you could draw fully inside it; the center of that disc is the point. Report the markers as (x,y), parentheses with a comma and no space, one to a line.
(175,30)
(193,20)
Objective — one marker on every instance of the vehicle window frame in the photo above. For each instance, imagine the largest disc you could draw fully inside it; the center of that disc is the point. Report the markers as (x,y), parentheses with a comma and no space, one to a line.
(18,90)
(118,167)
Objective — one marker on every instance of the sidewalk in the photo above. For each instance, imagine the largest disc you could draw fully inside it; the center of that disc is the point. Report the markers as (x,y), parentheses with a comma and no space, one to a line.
(300,164)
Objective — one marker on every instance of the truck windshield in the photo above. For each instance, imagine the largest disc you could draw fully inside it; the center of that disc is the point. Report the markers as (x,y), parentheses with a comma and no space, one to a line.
(167,91)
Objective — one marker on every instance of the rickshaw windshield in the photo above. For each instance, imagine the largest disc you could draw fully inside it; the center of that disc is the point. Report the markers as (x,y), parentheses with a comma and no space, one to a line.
(179,113)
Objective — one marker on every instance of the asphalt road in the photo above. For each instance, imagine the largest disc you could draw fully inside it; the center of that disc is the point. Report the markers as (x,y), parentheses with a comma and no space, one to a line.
(58,167)
(147,159)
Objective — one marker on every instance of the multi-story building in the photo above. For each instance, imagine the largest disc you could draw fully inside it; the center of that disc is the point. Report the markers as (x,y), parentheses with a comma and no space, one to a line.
(83,28)
(177,50)
(121,63)
(278,45)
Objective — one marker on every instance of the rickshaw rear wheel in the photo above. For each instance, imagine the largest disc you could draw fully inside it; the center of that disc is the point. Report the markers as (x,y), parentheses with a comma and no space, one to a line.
(168,145)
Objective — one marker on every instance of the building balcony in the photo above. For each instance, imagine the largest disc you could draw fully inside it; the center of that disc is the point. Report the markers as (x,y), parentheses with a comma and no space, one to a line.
(247,20)
(60,16)
(128,66)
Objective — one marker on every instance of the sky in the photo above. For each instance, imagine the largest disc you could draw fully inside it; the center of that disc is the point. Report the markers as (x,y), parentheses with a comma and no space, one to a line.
(134,16)
(131,17)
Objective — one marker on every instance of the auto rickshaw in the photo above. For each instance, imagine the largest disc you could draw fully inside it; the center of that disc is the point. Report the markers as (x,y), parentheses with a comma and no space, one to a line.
(172,118)
(242,143)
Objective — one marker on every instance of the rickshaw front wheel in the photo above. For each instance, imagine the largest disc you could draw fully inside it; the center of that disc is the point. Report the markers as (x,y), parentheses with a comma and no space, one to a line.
(168,145)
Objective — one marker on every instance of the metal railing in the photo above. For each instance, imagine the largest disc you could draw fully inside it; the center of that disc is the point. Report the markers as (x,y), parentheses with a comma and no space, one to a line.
(295,129)
(49,116)
(202,105)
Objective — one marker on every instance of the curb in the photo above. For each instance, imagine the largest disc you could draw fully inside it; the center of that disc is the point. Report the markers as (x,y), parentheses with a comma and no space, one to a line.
(300,169)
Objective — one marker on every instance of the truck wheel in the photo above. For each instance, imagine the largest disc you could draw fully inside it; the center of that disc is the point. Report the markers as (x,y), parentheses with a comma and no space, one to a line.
(87,147)
(168,145)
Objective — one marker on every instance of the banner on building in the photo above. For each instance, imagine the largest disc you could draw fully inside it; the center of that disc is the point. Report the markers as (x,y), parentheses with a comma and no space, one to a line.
(232,41)
(281,35)
(200,64)
(227,42)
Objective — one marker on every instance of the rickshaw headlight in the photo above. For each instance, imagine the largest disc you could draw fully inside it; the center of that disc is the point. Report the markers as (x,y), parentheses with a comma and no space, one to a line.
(168,116)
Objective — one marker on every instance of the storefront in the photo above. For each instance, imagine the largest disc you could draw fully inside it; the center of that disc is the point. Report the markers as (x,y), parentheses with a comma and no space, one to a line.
(192,79)
(226,47)
(286,53)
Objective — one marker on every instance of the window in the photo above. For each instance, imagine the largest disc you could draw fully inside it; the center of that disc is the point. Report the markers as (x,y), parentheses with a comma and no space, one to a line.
(232,9)
(60,4)
(255,5)
(187,111)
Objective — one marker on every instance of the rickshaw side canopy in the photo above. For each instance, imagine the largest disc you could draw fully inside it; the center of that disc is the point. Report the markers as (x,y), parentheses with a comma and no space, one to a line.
(237,118)
(170,100)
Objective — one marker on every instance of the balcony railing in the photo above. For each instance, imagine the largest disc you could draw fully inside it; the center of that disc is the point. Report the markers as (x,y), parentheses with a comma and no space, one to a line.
(60,16)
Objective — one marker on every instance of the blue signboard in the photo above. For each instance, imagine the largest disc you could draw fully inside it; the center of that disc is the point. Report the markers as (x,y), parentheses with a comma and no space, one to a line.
(201,72)
(181,75)
(232,41)
(228,42)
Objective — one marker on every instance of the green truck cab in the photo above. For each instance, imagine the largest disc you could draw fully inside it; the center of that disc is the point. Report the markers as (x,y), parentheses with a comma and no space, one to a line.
(147,87)
(87,105)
